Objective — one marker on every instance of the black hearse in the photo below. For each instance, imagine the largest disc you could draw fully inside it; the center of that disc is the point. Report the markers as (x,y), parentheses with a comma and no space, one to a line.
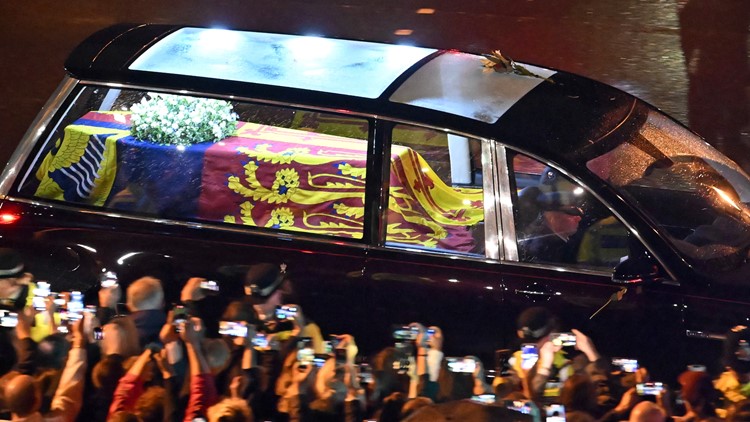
(396,183)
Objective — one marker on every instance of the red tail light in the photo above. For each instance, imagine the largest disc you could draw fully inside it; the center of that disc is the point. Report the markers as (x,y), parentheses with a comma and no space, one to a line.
(9,218)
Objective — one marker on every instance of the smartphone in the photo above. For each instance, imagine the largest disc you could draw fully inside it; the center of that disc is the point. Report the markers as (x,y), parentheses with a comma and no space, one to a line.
(484,398)
(649,388)
(501,361)
(233,328)
(305,356)
(8,319)
(461,365)
(260,341)
(405,332)
(334,341)
(521,406)
(320,360)
(108,279)
(401,366)
(563,339)
(75,305)
(340,355)
(180,316)
(529,355)
(98,333)
(210,287)
(286,312)
(41,292)
(60,300)
(555,412)
(625,364)
(430,333)
(364,371)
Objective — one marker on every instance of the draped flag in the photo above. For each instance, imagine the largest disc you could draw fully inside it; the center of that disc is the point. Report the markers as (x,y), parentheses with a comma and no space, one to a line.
(263,176)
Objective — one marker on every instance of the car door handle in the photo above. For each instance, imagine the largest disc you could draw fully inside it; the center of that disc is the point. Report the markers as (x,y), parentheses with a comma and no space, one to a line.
(527,291)
(536,290)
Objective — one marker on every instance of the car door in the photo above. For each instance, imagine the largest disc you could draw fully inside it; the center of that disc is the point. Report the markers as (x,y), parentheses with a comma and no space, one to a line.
(431,262)
(566,246)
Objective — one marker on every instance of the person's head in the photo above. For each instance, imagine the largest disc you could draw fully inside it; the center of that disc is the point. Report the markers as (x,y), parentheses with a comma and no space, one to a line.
(268,287)
(150,405)
(107,373)
(698,391)
(120,338)
(647,411)
(217,354)
(386,378)
(241,311)
(563,221)
(145,294)
(578,393)
(230,410)
(412,405)
(52,351)
(12,275)
(22,397)
(535,323)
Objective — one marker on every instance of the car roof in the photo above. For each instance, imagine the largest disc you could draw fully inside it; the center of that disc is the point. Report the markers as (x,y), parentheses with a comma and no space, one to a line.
(549,113)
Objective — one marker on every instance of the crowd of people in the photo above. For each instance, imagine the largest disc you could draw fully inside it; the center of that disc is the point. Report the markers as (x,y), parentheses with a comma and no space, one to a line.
(260,358)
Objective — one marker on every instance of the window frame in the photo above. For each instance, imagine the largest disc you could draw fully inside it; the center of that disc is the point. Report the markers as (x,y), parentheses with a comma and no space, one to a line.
(508,218)
(35,142)
(489,183)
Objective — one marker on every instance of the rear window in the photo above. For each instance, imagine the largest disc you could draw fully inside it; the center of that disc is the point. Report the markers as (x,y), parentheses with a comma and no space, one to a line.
(189,158)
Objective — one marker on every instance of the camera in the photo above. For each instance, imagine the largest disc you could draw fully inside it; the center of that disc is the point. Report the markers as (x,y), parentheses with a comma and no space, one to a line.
(461,365)
(8,319)
(98,333)
(108,279)
(210,287)
(649,388)
(529,355)
(233,328)
(625,365)
(563,339)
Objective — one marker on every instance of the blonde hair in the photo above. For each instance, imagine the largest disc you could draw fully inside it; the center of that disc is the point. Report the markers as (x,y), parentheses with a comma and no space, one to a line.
(146,293)
(230,410)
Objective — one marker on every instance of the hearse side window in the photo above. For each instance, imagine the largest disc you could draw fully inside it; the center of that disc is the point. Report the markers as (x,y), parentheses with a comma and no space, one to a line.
(436,198)
(199,159)
(558,222)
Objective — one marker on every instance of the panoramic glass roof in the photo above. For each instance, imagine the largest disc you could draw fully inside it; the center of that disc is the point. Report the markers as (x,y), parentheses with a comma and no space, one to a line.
(355,68)
(458,83)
